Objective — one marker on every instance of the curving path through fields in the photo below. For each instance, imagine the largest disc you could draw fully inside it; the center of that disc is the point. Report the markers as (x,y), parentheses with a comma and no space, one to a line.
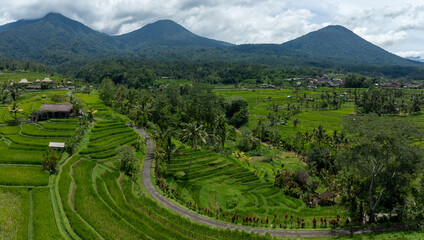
(147,182)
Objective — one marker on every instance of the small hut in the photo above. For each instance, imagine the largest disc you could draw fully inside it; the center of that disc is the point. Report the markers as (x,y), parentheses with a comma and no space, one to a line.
(47,80)
(24,81)
(57,146)
(33,87)
(327,195)
(325,199)
(52,110)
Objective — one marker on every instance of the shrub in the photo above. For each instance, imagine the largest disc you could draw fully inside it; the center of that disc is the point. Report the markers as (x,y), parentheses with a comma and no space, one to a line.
(127,158)
(50,159)
(59,98)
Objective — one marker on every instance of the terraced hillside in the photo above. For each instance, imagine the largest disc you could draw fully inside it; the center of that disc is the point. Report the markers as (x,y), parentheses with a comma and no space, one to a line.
(24,187)
(105,137)
(216,182)
(98,202)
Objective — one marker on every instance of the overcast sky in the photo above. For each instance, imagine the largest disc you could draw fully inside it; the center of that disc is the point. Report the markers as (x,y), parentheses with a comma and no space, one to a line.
(395,25)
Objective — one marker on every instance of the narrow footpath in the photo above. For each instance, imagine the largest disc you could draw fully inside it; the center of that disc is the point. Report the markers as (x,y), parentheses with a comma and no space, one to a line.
(147,182)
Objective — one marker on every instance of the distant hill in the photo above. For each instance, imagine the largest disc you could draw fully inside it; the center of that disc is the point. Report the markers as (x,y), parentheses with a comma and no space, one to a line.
(167,33)
(418,59)
(54,40)
(58,41)
(338,43)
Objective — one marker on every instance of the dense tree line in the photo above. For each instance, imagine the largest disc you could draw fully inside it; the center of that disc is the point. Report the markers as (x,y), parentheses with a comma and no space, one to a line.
(386,101)
(14,65)
(138,73)
(172,105)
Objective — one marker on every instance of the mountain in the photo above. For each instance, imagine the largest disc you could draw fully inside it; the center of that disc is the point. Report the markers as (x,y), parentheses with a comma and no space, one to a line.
(58,41)
(337,43)
(418,59)
(15,25)
(167,33)
(54,40)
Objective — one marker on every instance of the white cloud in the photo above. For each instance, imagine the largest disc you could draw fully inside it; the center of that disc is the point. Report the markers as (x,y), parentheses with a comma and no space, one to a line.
(411,54)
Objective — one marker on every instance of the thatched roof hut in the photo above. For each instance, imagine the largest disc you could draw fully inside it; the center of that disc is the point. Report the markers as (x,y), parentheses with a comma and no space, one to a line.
(56,107)
(327,195)
(47,80)
(24,81)
(52,110)
(33,87)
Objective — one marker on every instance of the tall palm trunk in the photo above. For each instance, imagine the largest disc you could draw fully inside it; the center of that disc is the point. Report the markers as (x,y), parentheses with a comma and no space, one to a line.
(169,162)
(191,158)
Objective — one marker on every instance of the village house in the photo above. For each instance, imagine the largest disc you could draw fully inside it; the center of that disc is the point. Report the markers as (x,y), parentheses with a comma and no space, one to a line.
(33,87)
(52,110)
(24,81)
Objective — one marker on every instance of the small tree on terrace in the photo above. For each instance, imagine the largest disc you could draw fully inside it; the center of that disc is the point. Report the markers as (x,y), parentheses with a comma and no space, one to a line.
(127,159)
(194,133)
(50,159)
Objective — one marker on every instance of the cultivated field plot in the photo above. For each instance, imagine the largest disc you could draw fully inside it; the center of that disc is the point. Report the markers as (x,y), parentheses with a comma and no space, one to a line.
(101,203)
(14,209)
(31,76)
(22,149)
(259,101)
(105,137)
(104,112)
(216,182)
(26,214)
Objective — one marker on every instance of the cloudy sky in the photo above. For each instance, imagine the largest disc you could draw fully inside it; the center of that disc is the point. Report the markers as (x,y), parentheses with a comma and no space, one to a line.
(397,26)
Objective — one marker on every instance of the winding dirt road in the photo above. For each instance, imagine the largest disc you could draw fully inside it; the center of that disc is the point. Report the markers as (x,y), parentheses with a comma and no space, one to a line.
(147,182)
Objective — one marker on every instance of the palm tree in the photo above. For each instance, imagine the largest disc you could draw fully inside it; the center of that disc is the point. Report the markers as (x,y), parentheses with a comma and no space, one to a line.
(193,132)
(221,130)
(163,139)
(90,113)
(296,122)
(14,110)
(144,108)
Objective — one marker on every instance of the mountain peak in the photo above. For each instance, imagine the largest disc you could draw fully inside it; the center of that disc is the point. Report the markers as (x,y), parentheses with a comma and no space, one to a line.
(336,42)
(169,33)
(53,15)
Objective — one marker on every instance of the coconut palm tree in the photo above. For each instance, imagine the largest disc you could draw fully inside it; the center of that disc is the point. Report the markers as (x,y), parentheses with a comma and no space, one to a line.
(14,110)
(90,113)
(221,130)
(163,140)
(194,133)
(144,108)
(296,122)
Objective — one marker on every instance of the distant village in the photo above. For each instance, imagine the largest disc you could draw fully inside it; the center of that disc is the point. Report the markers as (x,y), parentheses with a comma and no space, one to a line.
(38,84)
(326,81)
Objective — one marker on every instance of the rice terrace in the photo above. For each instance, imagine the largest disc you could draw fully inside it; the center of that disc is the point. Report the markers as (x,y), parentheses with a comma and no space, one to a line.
(162,134)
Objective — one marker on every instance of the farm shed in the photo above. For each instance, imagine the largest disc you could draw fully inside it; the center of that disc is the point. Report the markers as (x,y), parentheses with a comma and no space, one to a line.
(33,87)
(52,110)
(327,195)
(57,146)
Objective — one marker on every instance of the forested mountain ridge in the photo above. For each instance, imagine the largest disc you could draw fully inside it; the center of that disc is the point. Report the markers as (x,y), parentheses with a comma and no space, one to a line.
(167,33)
(339,43)
(60,42)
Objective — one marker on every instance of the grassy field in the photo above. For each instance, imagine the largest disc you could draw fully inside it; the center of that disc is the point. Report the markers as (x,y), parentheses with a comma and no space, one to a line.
(259,100)
(14,208)
(30,76)
(104,112)
(23,176)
